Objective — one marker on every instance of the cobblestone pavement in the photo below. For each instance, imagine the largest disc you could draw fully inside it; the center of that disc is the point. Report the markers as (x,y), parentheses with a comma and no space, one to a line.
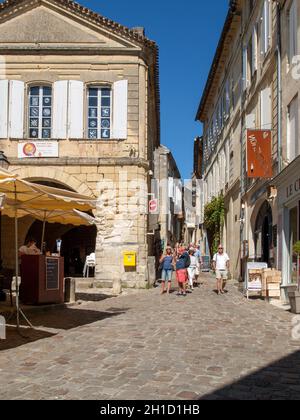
(147,346)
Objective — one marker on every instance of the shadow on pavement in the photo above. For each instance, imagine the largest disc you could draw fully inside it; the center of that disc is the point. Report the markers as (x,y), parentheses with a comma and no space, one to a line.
(68,318)
(278,381)
(14,339)
(92,297)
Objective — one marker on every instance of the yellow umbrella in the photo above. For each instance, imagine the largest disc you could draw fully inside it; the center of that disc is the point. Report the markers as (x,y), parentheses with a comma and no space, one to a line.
(23,197)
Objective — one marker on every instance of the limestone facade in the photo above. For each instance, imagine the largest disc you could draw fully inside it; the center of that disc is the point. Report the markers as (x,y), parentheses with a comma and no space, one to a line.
(43,42)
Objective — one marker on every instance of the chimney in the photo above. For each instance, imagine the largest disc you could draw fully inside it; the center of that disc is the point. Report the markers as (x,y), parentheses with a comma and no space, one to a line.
(139,31)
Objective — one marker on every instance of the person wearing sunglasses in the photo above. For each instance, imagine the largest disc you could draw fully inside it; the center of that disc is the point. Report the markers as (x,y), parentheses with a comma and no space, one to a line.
(221,267)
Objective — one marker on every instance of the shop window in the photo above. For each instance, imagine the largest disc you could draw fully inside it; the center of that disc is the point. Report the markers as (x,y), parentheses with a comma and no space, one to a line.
(40,112)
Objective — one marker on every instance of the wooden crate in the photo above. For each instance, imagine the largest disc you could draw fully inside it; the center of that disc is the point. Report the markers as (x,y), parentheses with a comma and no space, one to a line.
(274,294)
(273,286)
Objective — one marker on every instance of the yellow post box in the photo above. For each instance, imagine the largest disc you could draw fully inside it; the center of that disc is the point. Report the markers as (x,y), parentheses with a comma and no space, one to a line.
(129,258)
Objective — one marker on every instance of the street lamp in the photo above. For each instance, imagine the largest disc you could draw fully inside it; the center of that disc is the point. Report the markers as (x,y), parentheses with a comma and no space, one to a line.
(4,163)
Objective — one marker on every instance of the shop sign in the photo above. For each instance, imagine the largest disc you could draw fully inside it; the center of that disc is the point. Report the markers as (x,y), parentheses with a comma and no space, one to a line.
(253,281)
(38,149)
(259,154)
(293,189)
(2,328)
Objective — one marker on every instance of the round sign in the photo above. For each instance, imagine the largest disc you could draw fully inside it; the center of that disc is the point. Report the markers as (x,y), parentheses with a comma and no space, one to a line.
(153,206)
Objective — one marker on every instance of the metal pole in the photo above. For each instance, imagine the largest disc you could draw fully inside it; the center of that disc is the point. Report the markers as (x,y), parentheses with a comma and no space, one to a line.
(43,231)
(17,267)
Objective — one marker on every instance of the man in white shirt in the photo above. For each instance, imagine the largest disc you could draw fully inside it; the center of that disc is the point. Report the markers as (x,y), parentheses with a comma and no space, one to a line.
(30,248)
(221,267)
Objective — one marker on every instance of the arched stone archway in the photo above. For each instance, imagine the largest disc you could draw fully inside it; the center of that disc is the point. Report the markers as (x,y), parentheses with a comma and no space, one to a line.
(56,175)
(263,233)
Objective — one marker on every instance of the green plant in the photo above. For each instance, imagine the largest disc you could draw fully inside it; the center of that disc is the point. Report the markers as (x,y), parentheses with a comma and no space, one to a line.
(214,216)
(296,250)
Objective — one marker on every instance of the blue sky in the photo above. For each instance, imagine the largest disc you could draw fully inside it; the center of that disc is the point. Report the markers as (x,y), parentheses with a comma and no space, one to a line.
(187,34)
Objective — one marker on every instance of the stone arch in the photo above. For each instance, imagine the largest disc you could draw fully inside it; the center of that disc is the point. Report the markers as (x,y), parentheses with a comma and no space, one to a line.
(54,174)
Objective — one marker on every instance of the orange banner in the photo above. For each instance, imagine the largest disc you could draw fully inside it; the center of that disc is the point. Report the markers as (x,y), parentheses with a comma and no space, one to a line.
(259,154)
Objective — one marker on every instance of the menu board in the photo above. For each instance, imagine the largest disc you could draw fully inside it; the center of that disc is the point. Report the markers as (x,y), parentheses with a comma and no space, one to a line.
(206,266)
(52,273)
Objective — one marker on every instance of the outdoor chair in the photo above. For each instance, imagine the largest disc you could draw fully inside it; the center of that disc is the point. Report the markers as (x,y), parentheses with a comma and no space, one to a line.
(6,279)
(90,262)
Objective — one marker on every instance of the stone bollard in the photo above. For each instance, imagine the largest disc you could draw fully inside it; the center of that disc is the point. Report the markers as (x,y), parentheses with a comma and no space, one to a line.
(117,287)
(70,290)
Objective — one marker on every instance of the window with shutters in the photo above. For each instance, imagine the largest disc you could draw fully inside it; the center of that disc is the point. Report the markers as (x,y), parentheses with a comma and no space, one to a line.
(293,142)
(99,112)
(292,32)
(40,112)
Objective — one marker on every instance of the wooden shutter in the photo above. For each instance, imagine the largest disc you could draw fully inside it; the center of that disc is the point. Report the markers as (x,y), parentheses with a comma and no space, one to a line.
(60,109)
(266,109)
(16,109)
(75,110)
(245,72)
(254,50)
(4,109)
(120,110)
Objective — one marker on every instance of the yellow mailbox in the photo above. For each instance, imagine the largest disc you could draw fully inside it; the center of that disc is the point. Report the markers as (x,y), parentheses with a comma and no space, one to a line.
(129,258)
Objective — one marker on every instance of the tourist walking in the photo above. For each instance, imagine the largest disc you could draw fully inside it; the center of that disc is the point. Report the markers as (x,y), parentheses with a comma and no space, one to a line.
(198,255)
(182,264)
(221,262)
(192,268)
(167,264)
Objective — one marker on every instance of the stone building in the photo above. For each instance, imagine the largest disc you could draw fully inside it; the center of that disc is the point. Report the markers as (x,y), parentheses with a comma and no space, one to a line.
(287,183)
(79,109)
(167,188)
(242,93)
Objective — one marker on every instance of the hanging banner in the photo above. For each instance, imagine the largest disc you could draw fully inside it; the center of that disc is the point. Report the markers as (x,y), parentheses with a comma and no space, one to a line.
(38,149)
(259,154)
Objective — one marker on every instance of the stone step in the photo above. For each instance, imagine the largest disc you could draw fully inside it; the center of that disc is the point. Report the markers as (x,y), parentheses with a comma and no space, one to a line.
(91,283)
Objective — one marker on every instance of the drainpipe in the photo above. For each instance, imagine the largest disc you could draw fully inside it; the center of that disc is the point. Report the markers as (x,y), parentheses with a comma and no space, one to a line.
(279,87)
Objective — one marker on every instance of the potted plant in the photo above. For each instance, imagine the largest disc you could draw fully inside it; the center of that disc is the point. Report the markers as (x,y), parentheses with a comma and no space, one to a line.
(295,296)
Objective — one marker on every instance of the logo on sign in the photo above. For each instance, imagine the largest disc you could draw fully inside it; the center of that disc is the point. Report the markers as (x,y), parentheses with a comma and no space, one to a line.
(153,206)
(2,328)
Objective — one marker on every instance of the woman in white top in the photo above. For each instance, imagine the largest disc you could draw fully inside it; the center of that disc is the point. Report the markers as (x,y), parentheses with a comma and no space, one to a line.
(192,268)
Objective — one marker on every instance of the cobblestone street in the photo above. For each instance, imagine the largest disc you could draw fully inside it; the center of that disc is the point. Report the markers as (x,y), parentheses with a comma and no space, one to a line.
(147,346)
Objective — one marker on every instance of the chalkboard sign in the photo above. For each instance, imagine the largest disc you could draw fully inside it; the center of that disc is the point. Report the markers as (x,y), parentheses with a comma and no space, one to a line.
(206,267)
(52,273)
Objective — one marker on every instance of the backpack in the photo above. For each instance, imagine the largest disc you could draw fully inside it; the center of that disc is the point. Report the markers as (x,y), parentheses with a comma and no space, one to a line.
(187,261)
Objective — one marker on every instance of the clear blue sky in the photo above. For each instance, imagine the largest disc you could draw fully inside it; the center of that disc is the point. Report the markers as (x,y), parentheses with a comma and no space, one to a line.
(187,34)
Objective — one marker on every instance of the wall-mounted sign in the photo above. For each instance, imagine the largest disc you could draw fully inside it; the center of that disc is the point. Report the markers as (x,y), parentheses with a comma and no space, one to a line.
(153,206)
(259,154)
(38,149)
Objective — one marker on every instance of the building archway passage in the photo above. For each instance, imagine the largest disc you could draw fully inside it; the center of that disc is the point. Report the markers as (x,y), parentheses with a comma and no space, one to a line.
(264,234)
(77,243)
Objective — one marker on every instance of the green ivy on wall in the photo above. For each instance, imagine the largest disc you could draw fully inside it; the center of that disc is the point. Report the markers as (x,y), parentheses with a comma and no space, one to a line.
(214,216)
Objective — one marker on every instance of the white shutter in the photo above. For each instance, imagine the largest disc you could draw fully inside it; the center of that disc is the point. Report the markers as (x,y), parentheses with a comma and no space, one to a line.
(178,196)
(266,109)
(251,122)
(171,188)
(120,110)
(16,109)
(3,109)
(266,22)
(75,110)
(293,28)
(60,109)
(254,50)
(292,131)
(245,72)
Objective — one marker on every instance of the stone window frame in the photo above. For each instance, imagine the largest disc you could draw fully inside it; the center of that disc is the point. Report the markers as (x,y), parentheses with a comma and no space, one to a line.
(28,86)
(101,85)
